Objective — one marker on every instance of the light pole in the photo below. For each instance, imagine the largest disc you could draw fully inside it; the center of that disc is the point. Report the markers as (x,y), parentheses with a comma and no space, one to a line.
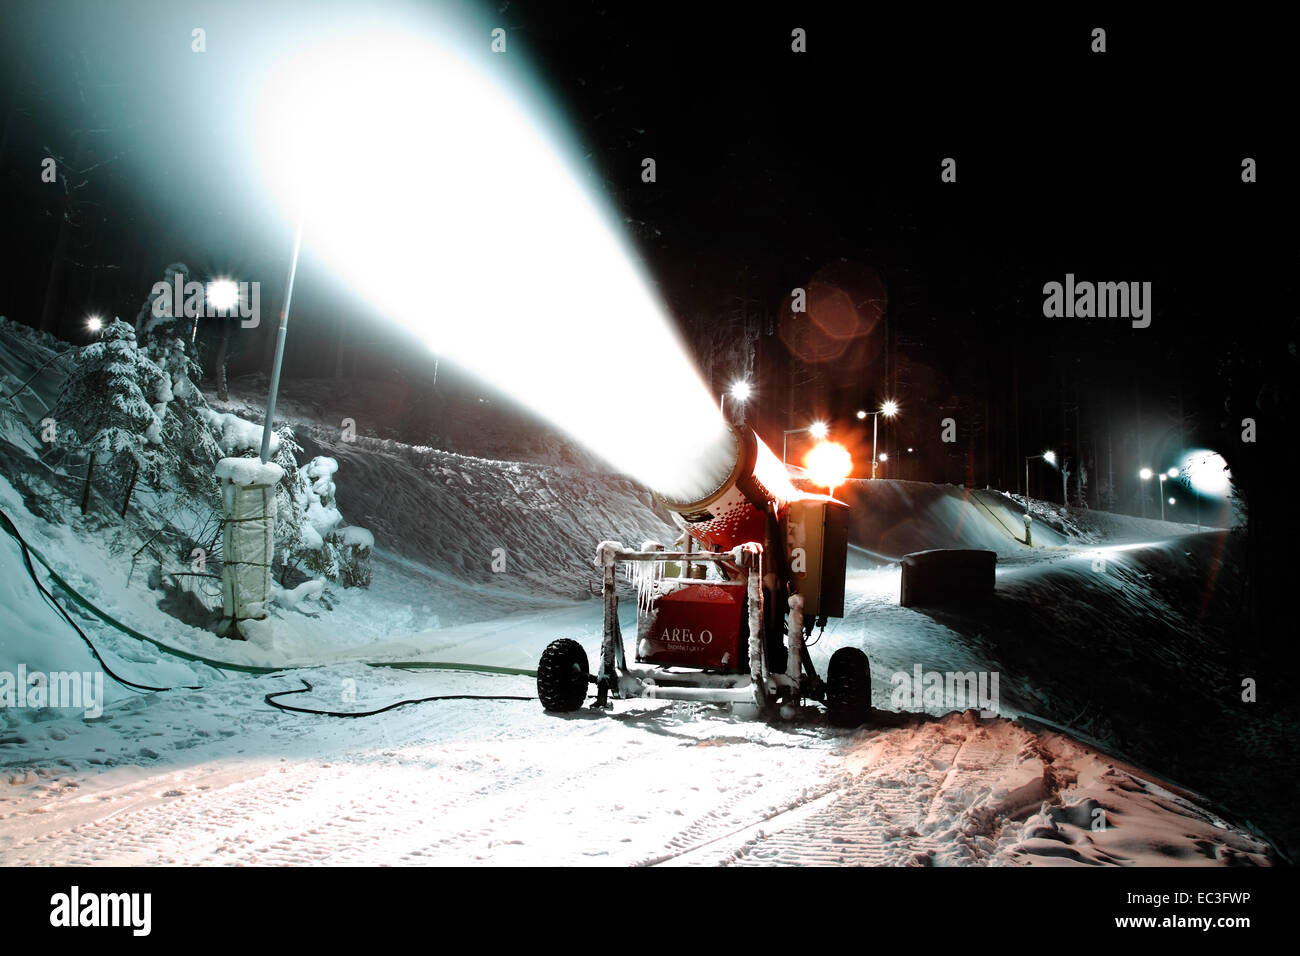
(1163,478)
(1050,458)
(279,346)
(816,429)
(1047,456)
(1145,474)
(888,408)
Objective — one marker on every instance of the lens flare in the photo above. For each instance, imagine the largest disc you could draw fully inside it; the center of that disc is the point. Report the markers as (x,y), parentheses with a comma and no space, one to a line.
(1207,473)
(436,190)
(222,294)
(828,464)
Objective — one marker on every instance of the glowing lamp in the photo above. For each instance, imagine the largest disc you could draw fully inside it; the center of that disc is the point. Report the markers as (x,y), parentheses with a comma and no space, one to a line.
(828,464)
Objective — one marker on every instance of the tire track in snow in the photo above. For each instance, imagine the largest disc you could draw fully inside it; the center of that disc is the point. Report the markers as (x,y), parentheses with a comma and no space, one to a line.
(909,804)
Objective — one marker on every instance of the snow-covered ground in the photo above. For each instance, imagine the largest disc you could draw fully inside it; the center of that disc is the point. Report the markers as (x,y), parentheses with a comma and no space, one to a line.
(215,776)
(219,775)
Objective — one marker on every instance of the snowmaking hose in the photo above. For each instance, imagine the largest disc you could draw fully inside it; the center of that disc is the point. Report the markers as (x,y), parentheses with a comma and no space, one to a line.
(29,552)
(307,688)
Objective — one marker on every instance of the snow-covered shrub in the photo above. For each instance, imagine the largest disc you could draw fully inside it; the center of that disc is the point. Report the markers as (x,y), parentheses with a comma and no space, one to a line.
(319,517)
(112,405)
(309,529)
(238,437)
(355,546)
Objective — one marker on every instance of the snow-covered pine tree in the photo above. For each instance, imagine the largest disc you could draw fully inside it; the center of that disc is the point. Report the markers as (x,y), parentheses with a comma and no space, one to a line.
(288,511)
(157,326)
(189,438)
(108,407)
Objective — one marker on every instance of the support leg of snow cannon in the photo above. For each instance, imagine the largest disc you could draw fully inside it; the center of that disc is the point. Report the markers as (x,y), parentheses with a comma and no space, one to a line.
(794,635)
(750,556)
(611,643)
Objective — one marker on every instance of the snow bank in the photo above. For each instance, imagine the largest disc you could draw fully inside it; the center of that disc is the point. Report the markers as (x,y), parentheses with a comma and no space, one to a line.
(890,518)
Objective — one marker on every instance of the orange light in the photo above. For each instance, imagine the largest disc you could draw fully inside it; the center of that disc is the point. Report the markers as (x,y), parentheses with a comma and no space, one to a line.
(828,464)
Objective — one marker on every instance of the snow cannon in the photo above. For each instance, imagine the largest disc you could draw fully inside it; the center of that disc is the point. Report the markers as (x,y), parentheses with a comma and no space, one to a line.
(724,619)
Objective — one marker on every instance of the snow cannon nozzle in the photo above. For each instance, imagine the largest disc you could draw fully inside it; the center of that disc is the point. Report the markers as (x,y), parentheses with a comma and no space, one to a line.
(747,483)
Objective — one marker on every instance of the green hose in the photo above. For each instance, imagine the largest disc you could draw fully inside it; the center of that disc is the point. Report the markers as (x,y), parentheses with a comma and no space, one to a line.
(113,622)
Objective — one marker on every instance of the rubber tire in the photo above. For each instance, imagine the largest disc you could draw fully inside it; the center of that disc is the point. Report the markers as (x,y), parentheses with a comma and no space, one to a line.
(562,676)
(848,688)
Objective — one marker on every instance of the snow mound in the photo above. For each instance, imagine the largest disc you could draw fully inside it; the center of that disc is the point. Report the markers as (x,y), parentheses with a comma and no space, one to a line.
(249,471)
(356,537)
(296,598)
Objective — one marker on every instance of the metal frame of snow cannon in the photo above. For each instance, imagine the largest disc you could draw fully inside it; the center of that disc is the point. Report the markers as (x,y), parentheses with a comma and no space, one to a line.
(758,686)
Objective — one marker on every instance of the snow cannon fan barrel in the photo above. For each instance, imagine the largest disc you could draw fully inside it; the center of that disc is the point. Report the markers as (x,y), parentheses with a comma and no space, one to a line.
(735,511)
(805,535)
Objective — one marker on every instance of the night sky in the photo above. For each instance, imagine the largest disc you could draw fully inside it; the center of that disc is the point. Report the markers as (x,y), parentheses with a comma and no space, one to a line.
(777,170)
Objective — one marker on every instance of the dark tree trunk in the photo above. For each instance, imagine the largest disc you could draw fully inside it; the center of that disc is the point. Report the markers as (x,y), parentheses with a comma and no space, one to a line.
(85,491)
(130,487)
(223,392)
(58,264)
(1078,441)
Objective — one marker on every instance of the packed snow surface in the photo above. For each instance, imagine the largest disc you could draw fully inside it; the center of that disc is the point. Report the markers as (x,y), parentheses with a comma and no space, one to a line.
(215,777)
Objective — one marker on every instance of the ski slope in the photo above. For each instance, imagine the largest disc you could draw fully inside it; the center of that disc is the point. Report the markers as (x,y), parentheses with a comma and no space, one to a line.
(1093,633)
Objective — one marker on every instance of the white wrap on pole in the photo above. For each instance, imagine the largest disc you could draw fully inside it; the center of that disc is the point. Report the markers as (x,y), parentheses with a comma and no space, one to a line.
(247,540)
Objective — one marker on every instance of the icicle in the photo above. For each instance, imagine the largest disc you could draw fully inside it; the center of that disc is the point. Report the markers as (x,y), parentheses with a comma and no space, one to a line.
(645,576)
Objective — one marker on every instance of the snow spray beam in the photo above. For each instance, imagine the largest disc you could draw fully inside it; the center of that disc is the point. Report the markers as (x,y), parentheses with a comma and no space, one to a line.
(441,190)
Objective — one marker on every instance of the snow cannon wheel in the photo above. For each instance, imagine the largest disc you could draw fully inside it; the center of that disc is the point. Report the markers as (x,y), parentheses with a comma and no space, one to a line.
(848,688)
(562,676)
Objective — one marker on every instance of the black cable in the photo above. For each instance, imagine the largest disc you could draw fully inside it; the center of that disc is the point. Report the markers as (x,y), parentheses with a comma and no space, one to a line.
(307,687)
